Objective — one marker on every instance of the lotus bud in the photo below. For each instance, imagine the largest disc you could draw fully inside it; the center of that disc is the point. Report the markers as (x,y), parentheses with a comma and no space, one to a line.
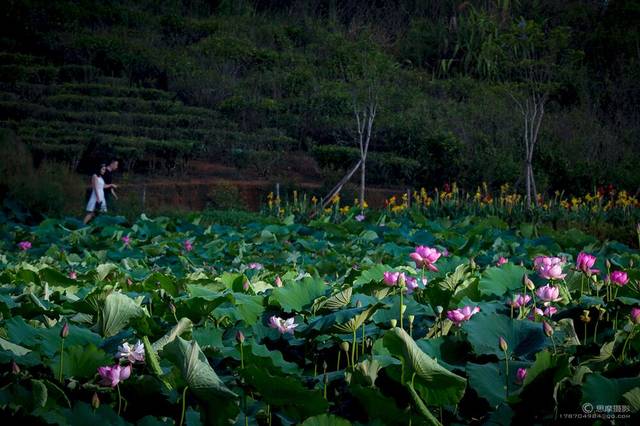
(240,337)
(172,308)
(15,368)
(548,330)
(403,309)
(359,304)
(65,330)
(472,263)
(503,344)
(439,310)
(630,263)
(95,401)
(278,281)
(394,323)
(402,282)
(344,346)
(607,262)
(521,374)
(324,366)
(528,283)
(411,318)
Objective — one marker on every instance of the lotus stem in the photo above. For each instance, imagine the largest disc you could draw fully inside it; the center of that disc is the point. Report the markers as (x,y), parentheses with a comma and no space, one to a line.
(363,338)
(353,349)
(119,398)
(401,304)
(241,356)
(624,347)
(184,401)
(338,363)
(61,359)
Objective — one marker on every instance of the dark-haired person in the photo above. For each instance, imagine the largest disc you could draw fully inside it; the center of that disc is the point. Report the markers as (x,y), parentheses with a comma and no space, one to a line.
(110,194)
(97,203)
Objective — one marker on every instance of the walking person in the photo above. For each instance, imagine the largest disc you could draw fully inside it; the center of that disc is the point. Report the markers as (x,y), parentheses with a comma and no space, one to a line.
(97,203)
(110,194)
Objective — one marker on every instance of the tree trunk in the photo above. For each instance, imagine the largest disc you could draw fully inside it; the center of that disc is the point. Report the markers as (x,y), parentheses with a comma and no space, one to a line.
(362,184)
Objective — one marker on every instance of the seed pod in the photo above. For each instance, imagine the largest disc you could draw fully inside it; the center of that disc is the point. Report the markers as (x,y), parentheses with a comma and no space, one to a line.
(344,346)
(411,319)
(394,323)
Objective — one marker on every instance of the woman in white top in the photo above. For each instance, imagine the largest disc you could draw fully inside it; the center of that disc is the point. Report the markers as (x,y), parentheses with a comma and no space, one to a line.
(97,202)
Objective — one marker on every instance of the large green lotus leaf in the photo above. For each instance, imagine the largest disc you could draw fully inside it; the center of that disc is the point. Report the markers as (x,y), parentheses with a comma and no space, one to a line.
(373,274)
(523,337)
(196,371)
(16,350)
(324,323)
(166,282)
(105,269)
(288,393)
(497,281)
(436,384)
(117,310)
(336,301)
(240,307)
(47,340)
(56,278)
(488,380)
(376,406)
(326,420)
(83,414)
(261,356)
(632,398)
(183,326)
(600,390)
(80,362)
(295,296)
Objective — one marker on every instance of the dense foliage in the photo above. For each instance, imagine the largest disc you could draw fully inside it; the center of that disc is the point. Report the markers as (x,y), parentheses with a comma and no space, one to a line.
(356,322)
(158,83)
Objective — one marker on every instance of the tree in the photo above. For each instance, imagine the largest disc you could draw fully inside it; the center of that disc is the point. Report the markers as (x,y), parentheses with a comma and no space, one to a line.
(536,61)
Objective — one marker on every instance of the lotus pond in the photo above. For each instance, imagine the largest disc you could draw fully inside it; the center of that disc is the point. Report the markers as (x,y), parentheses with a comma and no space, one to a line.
(378,321)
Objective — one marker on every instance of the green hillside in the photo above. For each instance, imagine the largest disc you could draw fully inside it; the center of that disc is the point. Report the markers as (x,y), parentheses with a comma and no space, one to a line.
(160,83)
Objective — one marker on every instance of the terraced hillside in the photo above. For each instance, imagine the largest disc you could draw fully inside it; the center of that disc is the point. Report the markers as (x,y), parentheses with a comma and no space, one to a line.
(75,114)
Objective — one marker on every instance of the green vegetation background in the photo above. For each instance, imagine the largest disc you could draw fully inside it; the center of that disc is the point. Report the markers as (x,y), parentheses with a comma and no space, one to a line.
(159,83)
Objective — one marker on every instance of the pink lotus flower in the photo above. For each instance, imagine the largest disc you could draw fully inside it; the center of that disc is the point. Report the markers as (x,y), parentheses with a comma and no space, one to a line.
(635,315)
(255,265)
(425,257)
(619,277)
(460,315)
(360,217)
(502,261)
(584,262)
(131,354)
(278,281)
(548,312)
(549,268)
(521,374)
(126,240)
(520,300)
(111,376)
(24,245)
(246,285)
(73,275)
(412,284)
(281,325)
(446,253)
(548,294)
(391,278)
(188,246)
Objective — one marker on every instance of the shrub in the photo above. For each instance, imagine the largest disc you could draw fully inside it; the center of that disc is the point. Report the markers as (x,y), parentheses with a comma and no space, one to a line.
(224,196)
